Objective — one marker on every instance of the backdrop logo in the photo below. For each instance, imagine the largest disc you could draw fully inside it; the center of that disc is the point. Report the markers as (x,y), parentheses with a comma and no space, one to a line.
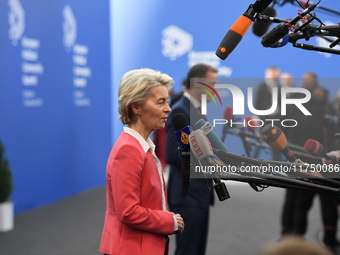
(69,28)
(16,20)
(176,42)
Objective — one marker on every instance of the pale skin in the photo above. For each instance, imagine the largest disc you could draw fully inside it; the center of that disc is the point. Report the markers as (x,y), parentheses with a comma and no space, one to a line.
(325,161)
(211,76)
(151,116)
(332,153)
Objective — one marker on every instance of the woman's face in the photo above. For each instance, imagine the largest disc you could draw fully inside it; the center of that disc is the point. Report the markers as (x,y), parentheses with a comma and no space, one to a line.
(154,113)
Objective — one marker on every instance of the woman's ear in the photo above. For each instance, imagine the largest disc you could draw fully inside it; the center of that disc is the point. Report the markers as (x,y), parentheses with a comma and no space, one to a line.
(135,109)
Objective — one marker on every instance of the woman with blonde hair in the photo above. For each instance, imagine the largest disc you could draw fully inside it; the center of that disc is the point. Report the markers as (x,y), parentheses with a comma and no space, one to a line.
(136,219)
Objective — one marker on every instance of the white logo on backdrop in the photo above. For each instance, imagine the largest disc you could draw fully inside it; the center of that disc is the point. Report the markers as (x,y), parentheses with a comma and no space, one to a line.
(31,68)
(81,71)
(16,20)
(176,42)
(321,42)
(69,28)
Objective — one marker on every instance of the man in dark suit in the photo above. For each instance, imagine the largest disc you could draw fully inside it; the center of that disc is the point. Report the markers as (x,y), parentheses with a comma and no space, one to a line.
(298,202)
(264,99)
(194,208)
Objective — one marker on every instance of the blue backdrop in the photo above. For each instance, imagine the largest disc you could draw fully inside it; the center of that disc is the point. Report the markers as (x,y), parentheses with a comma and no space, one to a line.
(54,97)
(61,63)
(171,36)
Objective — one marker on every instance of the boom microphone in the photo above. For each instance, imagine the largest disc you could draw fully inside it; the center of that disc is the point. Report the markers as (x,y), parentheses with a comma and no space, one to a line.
(281,42)
(315,148)
(259,6)
(282,29)
(228,113)
(183,130)
(276,139)
(239,28)
(261,27)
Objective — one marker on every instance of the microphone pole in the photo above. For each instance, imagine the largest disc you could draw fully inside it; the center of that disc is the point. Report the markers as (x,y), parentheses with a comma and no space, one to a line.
(299,184)
(265,18)
(202,150)
(305,46)
(183,130)
(276,139)
(239,28)
(278,181)
(259,182)
(307,3)
(282,29)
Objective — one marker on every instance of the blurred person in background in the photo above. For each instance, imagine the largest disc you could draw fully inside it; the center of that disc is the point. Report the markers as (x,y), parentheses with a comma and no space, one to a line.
(298,203)
(194,208)
(264,98)
(286,80)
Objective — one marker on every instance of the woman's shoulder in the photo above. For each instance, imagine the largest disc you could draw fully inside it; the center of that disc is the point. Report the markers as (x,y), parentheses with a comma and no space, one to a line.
(125,139)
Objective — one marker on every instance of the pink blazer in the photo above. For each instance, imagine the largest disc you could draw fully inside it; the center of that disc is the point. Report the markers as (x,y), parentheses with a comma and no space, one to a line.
(134,221)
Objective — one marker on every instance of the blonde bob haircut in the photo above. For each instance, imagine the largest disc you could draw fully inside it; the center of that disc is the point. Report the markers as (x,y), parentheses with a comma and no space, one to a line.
(135,88)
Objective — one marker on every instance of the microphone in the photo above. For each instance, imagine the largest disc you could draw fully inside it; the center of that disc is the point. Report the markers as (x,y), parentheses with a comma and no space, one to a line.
(228,115)
(315,148)
(260,27)
(282,29)
(201,146)
(203,151)
(270,38)
(249,127)
(281,42)
(291,37)
(207,128)
(273,175)
(276,139)
(183,130)
(239,28)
